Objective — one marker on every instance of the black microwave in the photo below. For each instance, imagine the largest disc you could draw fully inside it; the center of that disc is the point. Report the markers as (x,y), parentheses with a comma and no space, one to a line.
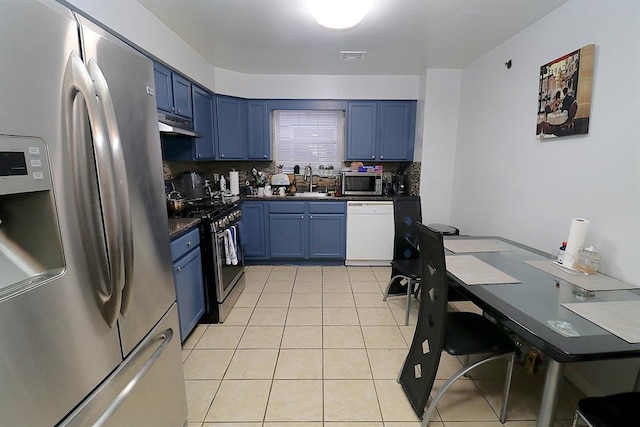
(361,184)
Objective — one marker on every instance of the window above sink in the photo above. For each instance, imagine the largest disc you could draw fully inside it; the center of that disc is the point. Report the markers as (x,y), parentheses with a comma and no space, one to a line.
(303,137)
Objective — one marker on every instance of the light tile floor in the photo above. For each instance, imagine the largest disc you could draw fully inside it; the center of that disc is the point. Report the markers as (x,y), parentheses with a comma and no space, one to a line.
(317,347)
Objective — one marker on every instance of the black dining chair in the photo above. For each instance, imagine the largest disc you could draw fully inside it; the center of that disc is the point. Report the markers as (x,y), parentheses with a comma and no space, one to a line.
(457,333)
(616,410)
(405,266)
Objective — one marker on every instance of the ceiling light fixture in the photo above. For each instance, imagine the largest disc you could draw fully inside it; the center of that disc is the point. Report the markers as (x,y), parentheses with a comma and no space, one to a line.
(339,14)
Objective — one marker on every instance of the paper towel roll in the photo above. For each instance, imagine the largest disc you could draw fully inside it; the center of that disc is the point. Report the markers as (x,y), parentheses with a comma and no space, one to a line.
(234,183)
(577,235)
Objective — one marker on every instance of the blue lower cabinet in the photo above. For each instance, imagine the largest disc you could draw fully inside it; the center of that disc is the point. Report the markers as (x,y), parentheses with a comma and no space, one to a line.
(307,230)
(187,276)
(254,227)
(288,235)
(327,236)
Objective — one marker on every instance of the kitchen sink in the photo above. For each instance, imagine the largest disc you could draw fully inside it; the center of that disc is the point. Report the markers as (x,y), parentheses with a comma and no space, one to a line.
(310,194)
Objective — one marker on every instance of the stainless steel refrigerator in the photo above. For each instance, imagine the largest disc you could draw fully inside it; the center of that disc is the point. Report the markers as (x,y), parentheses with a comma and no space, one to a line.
(88,324)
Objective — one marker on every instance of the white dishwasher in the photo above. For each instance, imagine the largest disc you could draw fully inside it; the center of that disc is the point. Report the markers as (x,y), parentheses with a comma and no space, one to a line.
(370,233)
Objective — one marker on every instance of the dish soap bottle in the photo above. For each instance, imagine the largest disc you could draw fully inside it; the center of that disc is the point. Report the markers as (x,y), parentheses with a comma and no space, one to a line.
(223,184)
(561,252)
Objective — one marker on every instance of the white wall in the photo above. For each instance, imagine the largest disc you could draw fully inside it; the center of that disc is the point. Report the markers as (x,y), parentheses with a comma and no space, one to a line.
(439,134)
(290,86)
(508,183)
(132,21)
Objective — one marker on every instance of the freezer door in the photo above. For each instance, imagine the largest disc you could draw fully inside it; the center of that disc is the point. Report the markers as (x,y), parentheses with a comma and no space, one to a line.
(149,288)
(146,390)
(55,344)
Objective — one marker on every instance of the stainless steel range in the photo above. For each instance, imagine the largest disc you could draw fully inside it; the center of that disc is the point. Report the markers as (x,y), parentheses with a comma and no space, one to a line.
(222,257)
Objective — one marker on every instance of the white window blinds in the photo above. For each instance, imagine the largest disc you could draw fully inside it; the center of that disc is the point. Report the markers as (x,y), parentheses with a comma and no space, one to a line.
(303,137)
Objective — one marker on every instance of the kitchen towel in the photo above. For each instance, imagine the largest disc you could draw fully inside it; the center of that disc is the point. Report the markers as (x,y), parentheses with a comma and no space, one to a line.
(234,183)
(575,241)
(231,257)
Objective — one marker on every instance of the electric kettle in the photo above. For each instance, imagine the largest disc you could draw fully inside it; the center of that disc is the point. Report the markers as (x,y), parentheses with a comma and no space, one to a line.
(192,185)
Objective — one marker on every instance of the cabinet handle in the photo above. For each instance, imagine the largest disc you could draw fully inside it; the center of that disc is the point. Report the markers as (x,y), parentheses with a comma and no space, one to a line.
(265,156)
(178,268)
(373,157)
(301,216)
(310,216)
(381,157)
(189,243)
(222,156)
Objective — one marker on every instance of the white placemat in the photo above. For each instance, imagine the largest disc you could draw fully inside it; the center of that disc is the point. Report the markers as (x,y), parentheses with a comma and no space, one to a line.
(592,282)
(621,318)
(461,246)
(473,271)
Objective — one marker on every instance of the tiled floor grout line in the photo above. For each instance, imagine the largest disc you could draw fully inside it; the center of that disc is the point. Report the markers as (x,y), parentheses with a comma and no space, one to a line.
(322,341)
(358,310)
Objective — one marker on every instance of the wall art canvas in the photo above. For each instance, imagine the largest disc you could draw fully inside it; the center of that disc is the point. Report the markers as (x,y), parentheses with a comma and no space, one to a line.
(564,95)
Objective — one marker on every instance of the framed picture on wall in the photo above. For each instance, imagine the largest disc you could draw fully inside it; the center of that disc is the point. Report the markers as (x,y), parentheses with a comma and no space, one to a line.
(564,94)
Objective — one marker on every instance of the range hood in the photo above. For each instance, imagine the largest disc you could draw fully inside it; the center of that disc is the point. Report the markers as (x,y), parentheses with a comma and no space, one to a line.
(176,126)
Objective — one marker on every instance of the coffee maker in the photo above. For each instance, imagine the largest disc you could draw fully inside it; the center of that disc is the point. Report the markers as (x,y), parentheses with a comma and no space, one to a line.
(400,184)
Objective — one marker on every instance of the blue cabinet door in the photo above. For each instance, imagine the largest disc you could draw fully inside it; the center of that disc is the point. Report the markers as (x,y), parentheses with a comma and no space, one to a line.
(396,130)
(259,137)
(361,130)
(187,275)
(164,87)
(182,96)
(288,236)
(254,222)
(327,236)
(231,116)
(204,147)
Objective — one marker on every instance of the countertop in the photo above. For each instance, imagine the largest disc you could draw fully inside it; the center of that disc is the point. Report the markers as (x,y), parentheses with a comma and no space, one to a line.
(319,199)
(179,226)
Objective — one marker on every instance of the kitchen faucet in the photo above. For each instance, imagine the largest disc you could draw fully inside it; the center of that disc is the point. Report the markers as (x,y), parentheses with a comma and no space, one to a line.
(308,171)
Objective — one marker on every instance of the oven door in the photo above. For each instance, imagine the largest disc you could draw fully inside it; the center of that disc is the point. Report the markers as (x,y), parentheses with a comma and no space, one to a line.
(226,274)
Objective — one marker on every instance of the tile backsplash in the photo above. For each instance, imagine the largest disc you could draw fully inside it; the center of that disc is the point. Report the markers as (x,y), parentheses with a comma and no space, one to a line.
(208,169)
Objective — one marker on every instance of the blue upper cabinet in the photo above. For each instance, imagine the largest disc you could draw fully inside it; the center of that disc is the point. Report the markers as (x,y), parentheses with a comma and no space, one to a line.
(173,92)
(361,130)
(396,130)
(203,114)
(164,88)
(231,115)
(259,136)
(182,96)
(381,130)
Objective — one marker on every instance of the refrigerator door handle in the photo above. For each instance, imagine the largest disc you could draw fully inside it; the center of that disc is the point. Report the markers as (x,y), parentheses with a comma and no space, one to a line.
(165,338)
(122,382)
(78,81)
(120,172)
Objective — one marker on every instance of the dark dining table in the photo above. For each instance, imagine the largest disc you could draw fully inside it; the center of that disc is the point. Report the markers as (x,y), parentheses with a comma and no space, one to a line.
(532,310)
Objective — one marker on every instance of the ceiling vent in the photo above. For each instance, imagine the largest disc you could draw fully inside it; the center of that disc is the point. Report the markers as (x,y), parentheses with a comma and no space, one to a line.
(352,54)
